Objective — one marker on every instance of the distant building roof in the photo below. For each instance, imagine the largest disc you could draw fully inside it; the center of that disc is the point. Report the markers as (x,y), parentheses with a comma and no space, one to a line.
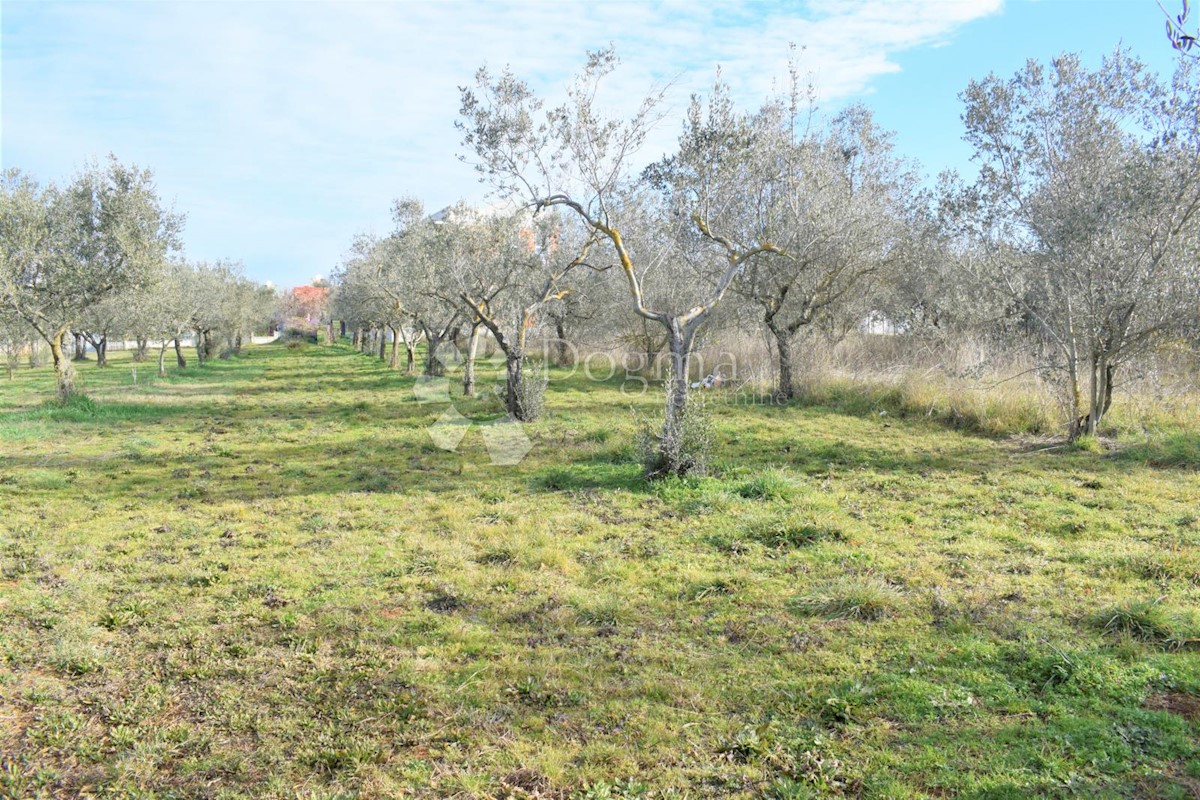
(495,209)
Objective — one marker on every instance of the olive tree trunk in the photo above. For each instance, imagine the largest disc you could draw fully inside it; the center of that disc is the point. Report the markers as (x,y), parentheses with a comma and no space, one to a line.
(469,364)
(514,363)
(560,344)
(64,370)
(677,389)
(785,389)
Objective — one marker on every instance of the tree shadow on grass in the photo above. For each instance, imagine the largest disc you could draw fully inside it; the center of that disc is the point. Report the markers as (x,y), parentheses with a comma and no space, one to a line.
(1179,450)
(39,421)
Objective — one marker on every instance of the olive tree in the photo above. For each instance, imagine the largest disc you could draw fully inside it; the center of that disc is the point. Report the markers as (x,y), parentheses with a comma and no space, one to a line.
(576,158)
(436,250)
(104,319)
(398,271)
(525,266)
(358,299)
(834,201)
(1178,33)
(170,306)
(222,303)
(63,250)
(1086,205)
(15,336)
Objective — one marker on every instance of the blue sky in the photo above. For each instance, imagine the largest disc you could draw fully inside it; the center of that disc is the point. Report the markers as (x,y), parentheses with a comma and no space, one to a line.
(282,129)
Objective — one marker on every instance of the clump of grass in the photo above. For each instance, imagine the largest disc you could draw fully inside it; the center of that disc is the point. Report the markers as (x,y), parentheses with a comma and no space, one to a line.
(870,599)
(1087,444)
(711,587)
(845,704)
(445,599)
(745,745)
(770,485)
(556,479)
(1053,669)
(1147,621)
(77,657)
(603,614)
(791,530)
(498,556)
(1165,567)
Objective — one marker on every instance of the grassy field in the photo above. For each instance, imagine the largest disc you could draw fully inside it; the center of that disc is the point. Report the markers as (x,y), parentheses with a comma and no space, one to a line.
(262,579)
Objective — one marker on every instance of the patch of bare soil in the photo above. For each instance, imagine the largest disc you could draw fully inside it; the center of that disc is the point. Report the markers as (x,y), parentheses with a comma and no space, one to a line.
(1185,705)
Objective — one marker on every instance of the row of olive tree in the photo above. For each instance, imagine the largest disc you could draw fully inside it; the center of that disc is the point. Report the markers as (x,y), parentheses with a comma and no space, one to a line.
(456,274)
(768,207)
(1075,242)
(97,258)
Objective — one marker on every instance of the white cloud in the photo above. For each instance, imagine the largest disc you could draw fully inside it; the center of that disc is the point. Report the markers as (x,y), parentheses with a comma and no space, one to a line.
(284,128)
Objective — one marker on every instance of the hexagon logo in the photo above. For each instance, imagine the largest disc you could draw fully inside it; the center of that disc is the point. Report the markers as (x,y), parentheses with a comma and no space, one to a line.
(505,438)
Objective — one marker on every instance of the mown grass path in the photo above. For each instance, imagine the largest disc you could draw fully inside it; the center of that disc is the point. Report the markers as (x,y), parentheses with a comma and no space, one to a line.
(261,579)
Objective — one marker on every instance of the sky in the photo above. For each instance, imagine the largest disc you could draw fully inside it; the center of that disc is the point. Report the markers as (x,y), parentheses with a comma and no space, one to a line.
(283,129)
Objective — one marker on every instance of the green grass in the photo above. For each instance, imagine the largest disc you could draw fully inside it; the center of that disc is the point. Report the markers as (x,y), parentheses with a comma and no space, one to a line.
(1178,449)
(262,579)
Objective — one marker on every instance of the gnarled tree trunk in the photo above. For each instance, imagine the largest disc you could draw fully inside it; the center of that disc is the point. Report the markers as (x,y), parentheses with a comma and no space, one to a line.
(469,365)
(561,345)
(433,365)
(64,371)
(785,389)
(514,362)
(677,390)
